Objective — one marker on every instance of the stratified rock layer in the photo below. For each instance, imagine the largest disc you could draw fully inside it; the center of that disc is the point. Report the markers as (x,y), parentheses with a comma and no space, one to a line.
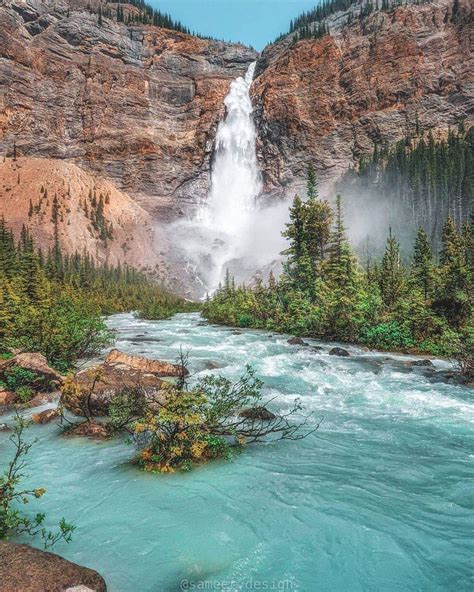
(329,101)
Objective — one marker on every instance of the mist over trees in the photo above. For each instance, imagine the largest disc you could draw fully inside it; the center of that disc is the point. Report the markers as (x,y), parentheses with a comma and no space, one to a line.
(422,305)
(418,182)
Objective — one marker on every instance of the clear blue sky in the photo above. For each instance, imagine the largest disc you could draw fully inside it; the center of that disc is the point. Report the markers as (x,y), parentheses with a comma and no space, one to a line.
(253,22)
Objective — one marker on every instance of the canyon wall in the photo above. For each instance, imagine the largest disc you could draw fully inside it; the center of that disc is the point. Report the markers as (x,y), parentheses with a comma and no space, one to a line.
(134,105)
(130,111)
(329,101)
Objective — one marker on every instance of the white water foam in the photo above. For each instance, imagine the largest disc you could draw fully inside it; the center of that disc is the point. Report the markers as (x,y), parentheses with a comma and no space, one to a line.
(230,230)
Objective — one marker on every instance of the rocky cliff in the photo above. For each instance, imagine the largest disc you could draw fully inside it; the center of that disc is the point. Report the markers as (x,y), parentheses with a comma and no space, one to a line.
(371,81)
(130,111)
(135,105)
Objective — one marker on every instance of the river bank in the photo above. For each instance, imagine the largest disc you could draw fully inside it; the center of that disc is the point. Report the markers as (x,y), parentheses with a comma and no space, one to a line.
(377,496)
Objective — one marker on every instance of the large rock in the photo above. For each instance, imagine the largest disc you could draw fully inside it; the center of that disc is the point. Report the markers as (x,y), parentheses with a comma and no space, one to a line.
(45,416)
(422,363)
(7,398)
(89,429)
(257,414)
(105,381)
(26,569)
(296,341)
(339,351)
(155,367)
(34,362)
(120,373)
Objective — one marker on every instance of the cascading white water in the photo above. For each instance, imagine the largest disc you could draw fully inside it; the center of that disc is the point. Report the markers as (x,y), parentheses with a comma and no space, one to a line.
(235,178)
(230,230)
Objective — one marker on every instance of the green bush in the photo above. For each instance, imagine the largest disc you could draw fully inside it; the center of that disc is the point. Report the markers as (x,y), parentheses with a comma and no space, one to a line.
(17,378)
(390,335)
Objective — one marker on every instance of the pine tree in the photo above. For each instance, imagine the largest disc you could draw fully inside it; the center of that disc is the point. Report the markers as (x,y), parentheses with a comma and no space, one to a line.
(452,300)
(295,234)
(422,269)
(317,231)
(312,191)
(391,273)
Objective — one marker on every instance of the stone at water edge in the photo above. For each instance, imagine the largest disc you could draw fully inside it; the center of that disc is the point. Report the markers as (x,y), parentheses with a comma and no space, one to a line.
(257,413)
(7,398)
(156,367)
(339,351)
(296,341)
(45,416)
(34,362)
(89,429)
(26,569)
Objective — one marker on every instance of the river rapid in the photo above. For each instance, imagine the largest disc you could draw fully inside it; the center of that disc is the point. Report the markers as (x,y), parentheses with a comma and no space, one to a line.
(379,498)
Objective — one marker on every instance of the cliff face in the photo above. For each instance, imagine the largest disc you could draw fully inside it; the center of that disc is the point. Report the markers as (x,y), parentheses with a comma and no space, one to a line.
(330,100)
(137,105)
(131,111)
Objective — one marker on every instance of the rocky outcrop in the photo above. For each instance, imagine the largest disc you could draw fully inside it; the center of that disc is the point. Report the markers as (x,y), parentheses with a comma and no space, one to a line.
(329,101)
(92,389)
(35,363)
(31,187)
(32,570)
(145,365)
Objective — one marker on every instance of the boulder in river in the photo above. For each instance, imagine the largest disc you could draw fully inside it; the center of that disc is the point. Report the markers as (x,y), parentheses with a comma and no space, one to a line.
(45,416)
(339,351)
(34,362)
(210,365)
(296,341)
(257,414)
(156,367)
(32,570)
(89,429)
(101,383)
(422,363)
(120,373)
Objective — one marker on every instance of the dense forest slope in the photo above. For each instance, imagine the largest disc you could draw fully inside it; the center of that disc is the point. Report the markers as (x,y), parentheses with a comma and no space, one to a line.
(377,77)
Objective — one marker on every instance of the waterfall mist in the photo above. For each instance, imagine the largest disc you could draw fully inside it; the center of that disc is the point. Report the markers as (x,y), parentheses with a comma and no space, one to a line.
(230,229)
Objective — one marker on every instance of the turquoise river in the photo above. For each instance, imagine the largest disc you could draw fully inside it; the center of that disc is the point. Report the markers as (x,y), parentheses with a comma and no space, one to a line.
(380,498)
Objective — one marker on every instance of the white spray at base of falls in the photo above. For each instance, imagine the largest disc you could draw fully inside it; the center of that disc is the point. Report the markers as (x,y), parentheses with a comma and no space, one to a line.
(230,230)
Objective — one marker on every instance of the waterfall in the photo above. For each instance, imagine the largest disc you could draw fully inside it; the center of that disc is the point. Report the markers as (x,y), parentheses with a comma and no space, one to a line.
(235,180)
(230,230)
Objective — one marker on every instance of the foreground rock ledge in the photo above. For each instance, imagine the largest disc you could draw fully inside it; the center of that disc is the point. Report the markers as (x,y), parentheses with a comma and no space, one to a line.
(26,569)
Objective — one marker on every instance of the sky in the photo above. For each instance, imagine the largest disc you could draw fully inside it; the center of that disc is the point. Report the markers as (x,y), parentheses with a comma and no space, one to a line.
(253,22)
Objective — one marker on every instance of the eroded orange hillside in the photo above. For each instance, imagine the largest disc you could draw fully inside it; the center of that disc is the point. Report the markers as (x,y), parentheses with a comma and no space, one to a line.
(36,191)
